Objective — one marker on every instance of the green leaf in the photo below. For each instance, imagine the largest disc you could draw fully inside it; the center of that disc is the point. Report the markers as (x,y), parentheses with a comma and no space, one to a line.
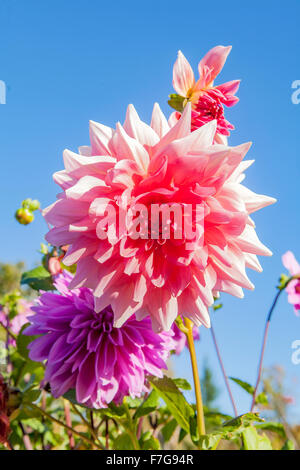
(148,406)
(23,342)
(182,435)
(243,420)
(245,385)
(168,429)
(149,442)
(283,281)
(176,102)
(133,402)
(288,445)
(253,441)
(174,399)
(182,384)
(273,427)
(70,395)
(123,442)
(38,279)
(262,399)
(114,411)
(210,441)
(217,306)
(217,415)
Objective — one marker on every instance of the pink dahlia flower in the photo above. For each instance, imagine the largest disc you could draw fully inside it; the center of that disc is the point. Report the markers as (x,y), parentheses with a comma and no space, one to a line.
(207,100)
(180,338)
(83,350)
(293,288)
(158,273)
(15,325)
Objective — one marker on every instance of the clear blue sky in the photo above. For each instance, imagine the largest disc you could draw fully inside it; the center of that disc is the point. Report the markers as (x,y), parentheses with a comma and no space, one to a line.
(65,62)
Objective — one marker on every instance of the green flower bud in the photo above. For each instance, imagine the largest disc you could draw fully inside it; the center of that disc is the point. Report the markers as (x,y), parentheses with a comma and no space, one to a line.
(34,205)
(24,216)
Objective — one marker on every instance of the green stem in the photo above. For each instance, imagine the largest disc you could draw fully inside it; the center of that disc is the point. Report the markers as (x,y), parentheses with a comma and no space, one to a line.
(131,428)
(199,405)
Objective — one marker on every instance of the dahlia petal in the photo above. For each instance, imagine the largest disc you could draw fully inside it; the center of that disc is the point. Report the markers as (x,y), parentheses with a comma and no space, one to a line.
(159,122)
(193,308)
(127,147)
(213,62)
(85,188)
(183,75)
(252,262)
(181,129)
(65,211)
(163,308)
(85,150)
(79,249)
(78,165)
(138,130)
(100,136)
(290,263)
(229,89)
(249,242)
(63,179)
(253,201)
(196,141)
(39,348)
(86,383)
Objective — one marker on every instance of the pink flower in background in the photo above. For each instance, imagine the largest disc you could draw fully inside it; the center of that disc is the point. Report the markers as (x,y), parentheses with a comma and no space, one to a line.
(140,164)
(207,100)
(85,352)
(15,325)
(288,399)
(293,289)
(180,338)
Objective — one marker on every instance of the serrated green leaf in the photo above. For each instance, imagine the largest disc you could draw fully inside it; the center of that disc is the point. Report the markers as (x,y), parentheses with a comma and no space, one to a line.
(38,279)
(174,399)
(148,406)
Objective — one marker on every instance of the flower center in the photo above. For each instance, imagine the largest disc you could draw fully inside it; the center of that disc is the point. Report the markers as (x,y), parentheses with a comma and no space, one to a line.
(297,288)
(103,321)
(209,107)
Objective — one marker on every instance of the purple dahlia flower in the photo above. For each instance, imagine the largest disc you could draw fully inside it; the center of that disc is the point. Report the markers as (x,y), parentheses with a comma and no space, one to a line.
(83,350)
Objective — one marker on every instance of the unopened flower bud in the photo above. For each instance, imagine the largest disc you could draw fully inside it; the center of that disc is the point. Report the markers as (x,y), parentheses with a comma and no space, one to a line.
(24,216)
(34,205)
